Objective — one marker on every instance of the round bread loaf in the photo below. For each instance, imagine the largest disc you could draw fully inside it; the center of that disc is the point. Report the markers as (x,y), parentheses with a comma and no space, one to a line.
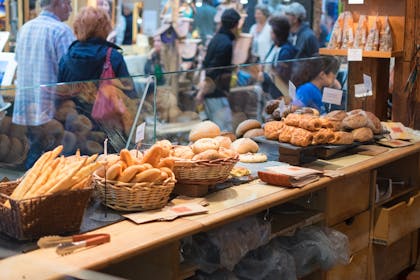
(5,125)
(362,134)
(207,155)
(18,131)
(205,144)
(184,152)
(62,113)
(244,145)
(247,125)
(69,143)
(206,129)
(93,147)
(224,141)
(356,120)
(338,115)
(229,134)
(4,146)
(255,132)
(16,150)
(97,136)
(374,123)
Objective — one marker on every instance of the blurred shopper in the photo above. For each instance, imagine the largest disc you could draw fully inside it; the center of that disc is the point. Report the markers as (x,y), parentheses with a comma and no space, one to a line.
(219,54)
(204,20)
(301,35)
(261,33)
(40,44)
(86,56)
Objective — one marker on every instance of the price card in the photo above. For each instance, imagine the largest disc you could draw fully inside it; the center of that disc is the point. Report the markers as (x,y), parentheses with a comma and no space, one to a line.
(360,91)
(354,54)
(332,96)
(140,132)
(292,90)
(356,1)
(367,80)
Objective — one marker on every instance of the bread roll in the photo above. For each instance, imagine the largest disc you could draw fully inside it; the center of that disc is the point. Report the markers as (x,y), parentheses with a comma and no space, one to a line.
(207,155)
(16,150)
(224,141)
(69,142)
(374,123)
(205,144)
(61,113)
(229,134)
(227,153)
(4,146)
(362,134)
(247,125)
(342,138)
(272,129)
(19,131)
(97,136)
(338,115)
(255,132)
(206,129)
(244,145)
(5,125)
(355,120)
(184,152)
(166,147)
(93,147)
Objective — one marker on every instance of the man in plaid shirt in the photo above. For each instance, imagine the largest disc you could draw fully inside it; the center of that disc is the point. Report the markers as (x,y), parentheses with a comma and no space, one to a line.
(40,45)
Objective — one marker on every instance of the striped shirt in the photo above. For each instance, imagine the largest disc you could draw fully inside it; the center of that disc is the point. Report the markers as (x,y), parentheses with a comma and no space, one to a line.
(40,45)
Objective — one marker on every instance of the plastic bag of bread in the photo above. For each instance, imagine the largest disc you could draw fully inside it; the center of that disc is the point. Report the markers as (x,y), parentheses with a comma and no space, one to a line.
(385,37)
(361,32)
(372,41)
(337,33)
(348,33)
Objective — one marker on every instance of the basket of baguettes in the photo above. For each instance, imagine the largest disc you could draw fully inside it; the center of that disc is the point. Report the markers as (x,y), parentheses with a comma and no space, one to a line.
(133,181)
(51,197)
(208,160)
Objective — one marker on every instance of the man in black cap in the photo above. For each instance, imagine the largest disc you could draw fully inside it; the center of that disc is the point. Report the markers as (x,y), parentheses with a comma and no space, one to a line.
(219,54)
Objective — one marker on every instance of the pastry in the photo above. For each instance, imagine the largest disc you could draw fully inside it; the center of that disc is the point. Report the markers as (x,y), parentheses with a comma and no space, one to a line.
(272,129)
(301,137)
(309,122)
(285,134)
(342,138)
(323,136)
(253,157)
(293,119)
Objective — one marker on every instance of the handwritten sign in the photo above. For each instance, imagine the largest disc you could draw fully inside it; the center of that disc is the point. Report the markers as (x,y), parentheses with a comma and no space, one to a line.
(140,132)
(354,54)
(332,96)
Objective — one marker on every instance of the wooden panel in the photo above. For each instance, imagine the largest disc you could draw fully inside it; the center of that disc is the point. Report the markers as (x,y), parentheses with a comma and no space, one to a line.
(389,261)
(357,269)
(378,69)
(391,223)
(357,230)
(347,197)
(410,174)
(380,7)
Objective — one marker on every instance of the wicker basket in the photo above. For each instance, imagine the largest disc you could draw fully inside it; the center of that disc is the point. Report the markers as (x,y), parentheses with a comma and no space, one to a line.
(133,196)
(31,218)
(20,160)
(203,172)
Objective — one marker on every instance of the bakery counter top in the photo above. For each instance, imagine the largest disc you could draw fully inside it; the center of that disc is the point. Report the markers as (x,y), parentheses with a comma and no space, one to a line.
(128,239)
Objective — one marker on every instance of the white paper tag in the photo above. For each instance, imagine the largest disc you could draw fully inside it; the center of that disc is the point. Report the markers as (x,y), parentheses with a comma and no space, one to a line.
(140,132)
(360,91)
(367,80)
(292,90)
(356,1)
(332,96)
(354,54)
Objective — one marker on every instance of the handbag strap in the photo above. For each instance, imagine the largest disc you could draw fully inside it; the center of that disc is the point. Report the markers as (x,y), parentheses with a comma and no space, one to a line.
(107,62)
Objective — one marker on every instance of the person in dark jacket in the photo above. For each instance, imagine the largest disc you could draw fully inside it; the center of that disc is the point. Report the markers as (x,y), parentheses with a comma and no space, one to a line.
(86,56)
(280,51)
(219,55)
(301,35)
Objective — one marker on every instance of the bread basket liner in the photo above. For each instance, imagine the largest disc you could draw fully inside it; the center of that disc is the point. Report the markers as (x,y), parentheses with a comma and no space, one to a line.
(31,218)
(133,196)
(203,172)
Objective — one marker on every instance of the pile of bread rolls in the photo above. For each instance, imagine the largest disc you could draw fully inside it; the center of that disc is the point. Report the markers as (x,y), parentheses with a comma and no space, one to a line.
(12,142)
(337,127)
(154,166)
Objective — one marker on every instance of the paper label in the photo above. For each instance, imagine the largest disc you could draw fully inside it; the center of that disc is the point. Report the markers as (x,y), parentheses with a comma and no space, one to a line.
(150,22)
(332,96)
(294,171)
(354,54)
(140,132)
(367,80)
(292,90)
(360,91)
(356,1)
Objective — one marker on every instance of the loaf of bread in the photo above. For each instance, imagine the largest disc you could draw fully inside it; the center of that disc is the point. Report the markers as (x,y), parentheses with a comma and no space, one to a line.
(246,125)
(342,138)
(374,123)
(362,134)
(255,132)
(301,137)
(224,141)
(184,152)
(272,129)
(336,115)
(205,144)
(207,155)
(244,145)
(355,120)
(323,136)
(206,129)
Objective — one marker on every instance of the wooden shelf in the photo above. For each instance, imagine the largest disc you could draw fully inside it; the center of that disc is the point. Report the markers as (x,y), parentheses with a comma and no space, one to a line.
(373,54)
(289,217)
(187,270)
(397,192)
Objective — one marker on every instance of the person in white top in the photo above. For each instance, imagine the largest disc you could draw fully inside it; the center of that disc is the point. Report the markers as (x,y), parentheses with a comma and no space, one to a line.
(260,32)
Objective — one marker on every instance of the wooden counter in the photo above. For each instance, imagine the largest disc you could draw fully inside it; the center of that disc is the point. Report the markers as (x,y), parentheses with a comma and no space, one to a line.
(128,239)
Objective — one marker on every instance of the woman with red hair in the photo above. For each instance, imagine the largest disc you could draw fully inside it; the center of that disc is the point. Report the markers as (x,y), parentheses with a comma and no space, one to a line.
(86,56)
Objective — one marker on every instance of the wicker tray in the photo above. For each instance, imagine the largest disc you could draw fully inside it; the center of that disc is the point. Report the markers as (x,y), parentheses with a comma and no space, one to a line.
(203,172)
(133,196)
(31,218)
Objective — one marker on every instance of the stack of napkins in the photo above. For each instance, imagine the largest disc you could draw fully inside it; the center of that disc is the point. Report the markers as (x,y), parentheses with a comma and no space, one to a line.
(289,176)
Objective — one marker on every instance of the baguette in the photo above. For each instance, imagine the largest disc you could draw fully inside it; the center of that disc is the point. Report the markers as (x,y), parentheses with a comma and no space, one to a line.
(67,180)
(114,171)
(130,172)
(43,178)
(153,155)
